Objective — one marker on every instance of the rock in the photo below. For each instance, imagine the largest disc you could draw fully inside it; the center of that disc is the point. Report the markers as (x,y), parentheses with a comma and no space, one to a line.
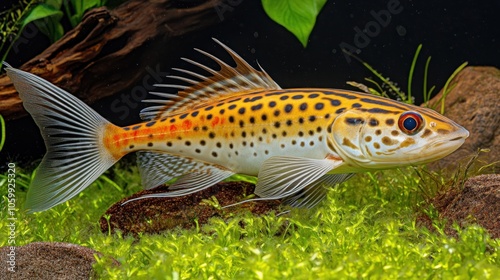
(153,215)
(478,202)
(474,103)
(49,260)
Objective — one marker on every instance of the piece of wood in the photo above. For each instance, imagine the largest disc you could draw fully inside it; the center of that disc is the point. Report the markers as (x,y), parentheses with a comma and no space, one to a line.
(110,49)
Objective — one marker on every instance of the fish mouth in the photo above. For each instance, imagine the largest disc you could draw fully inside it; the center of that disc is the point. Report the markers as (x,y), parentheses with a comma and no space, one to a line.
(442,147)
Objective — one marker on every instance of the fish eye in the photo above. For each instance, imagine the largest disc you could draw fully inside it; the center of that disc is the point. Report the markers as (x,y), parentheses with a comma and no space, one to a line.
(410,122)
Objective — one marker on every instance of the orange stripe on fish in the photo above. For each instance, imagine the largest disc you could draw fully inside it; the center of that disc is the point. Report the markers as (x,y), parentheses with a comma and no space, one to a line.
(238,120)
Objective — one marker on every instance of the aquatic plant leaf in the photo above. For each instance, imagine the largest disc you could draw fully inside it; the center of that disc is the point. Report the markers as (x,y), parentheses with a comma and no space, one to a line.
(46,18)
(297,16)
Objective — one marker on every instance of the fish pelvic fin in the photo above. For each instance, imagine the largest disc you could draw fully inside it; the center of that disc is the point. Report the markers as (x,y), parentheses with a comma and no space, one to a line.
(227,82)
(73,136)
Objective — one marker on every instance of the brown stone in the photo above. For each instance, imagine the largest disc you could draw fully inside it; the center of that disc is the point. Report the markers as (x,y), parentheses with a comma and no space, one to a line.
(49,260)
(154,215)
(474,103)
(477,202)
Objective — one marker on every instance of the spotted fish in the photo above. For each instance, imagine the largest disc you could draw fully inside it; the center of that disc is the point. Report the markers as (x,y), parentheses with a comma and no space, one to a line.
(236,120)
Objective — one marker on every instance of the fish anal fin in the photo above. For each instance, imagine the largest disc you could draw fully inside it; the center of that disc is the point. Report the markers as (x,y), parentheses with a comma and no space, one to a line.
(158,168)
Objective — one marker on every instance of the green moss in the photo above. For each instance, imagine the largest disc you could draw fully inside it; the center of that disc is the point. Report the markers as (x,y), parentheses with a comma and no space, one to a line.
(365,229)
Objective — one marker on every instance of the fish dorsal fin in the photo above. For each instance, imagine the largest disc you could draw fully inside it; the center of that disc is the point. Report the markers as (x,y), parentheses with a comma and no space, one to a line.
(226,82)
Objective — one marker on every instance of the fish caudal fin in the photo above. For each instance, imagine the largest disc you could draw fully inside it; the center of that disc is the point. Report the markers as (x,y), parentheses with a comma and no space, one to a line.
(72,132)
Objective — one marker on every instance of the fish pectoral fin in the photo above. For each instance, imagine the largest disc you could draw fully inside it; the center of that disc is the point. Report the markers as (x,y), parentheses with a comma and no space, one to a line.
(313,193)
(158,168)
(281,177)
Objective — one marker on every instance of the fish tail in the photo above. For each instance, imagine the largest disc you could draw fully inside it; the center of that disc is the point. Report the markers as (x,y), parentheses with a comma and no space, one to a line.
(72,133)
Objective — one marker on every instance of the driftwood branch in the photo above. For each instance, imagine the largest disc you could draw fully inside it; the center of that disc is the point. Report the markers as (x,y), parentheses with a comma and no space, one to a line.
(109,50)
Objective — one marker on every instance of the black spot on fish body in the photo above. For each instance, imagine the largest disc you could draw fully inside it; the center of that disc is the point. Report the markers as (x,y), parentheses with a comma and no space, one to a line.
(131,147)
(126,128)
(276,113)
(169,144)
(297,97)
(187,143)
(252,120)
(218,144)
(340,111)
(183,116)
(211,135)
(319,106)
(289,122)
(209,116)
(252,99)
(318,129)
(231,107)
(242,124)
(209,108)
(204,128)
(194,114)
(356,105)
(312,118)
(234,100)
(354,121)
(264,117)
(203,142)
(150,135)
(344,95)
(136,127)
(301,120)
(256,107)
(373,122)
(150,144)
(231,119)
(172,120)
(277,124)
(241,111)
(288,108)
(383,103)
(272,104)
(284,97)
(333,102)
(197,151)
(243,134)
(214,154)
(313,95)
(303,106)
(380,111)
(389,122)
(222,111)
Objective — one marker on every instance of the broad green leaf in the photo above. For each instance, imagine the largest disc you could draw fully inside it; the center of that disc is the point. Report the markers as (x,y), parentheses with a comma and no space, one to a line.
(298,16)
(42,11)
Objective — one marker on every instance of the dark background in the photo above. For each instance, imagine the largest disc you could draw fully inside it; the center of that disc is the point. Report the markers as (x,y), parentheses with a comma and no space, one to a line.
(452,32)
